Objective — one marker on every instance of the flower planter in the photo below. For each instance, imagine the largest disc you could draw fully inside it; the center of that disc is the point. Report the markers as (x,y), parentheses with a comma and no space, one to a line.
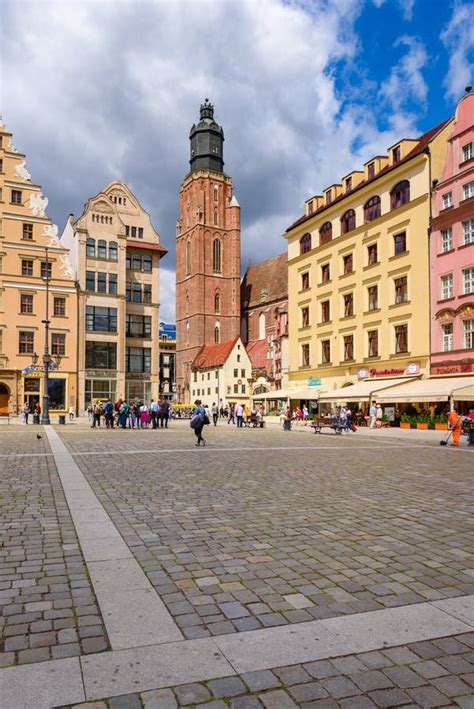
(441,426)
(404,424)
(422,426)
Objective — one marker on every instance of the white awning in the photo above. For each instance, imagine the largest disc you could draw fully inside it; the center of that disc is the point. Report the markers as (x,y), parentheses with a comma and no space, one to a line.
(293,393)
(430,390)
(361,391)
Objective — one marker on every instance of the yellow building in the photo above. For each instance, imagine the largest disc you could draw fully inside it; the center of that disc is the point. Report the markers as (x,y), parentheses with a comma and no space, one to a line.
(359,270)
(115,254)
(25,234)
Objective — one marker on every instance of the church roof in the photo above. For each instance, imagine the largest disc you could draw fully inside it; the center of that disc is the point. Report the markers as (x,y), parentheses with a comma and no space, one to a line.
(214,355)
(265,282)
(257,352)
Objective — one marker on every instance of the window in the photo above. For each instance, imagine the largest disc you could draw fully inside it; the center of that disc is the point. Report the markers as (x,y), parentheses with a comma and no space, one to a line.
(468,229)
(468,190)
(469,334)
(127,230)
(447,200)
(242,373)
(46,270)
(138,325)
(216,256)
(26,303)
(325,233)
(400,194)
(396,155)
(348,305)
(102,283)
(101,319)
(136,262)
(243,388)
(236,388)
(373,338)
(59,307)
(27,232)
(373,297)
(348,347)
(348,221)
(216,218)
(134,232)
(236,373)
(348,184)
(26,342)
(26,267)
(261,326)
(140,232)
(372,209)
(305,244)
(371,170)
(1,165)
(138,359)
(447,290)
(467,152)
(401,290)
(325,273)
(147,263)
(113,251)
(305,317)
(217,334)
(468,280)
(305,279)
(400,243)
(310,207)
(90,248)
(101,355)
(325,311)
(372,256)
(101,249)
(326,351)
(216,193)
(329,197)
(58,344)
(113,283)
(16,197)
(305,354)
(188,258)
(90,281)
(447,331)
(446,240)
(401,339)
(217,303)
(348,265)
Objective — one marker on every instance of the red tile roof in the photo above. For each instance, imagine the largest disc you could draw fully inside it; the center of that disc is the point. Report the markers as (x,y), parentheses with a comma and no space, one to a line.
(265,282)
(213,355)
(257,352)
(133,244)
(422,144)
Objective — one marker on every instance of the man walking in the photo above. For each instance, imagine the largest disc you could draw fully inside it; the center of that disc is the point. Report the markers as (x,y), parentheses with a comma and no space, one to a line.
(109,414)
(215,413)
(372,415)
(153,412)
(165,414)
(240,415)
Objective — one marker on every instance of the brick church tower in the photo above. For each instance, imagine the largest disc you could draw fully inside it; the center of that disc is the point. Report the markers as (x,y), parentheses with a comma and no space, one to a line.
(207,251)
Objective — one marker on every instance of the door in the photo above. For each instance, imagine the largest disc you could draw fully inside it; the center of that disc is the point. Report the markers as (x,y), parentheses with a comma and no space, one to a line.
(4,400)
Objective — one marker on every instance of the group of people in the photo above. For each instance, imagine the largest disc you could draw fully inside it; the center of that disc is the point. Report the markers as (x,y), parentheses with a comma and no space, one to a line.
(25,412)
(134,414)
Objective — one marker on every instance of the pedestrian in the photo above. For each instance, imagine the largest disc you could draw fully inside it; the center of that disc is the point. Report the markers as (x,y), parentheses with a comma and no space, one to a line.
(372,415)
(305,414)
(24,414)
(109,414)
(455,424)
(198,421)
(231,414)
(165,414)
(287,420)
(133,415)
(215,414)
(144,416)
(97,413)
(90,412)
(71,413)
(240,415)
(379,415)
(123,414)
(153,412)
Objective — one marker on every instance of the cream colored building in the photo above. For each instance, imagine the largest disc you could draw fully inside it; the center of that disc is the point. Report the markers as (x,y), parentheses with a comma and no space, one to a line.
(25,234)
(359,270)
(222,374)
(116,252)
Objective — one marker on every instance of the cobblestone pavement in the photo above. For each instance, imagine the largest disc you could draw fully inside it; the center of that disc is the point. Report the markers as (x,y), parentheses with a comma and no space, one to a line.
(276,528)
(425,674)
(47,606)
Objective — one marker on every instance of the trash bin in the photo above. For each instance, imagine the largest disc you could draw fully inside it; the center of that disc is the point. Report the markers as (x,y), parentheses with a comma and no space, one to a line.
(36,418)
(62,419)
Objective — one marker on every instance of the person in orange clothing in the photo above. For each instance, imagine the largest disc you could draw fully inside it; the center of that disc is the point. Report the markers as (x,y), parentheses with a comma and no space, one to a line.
(455,423)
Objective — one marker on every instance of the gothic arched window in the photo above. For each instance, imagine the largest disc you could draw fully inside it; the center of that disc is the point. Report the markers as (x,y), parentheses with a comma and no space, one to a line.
(261,326)
(325,233)
(400,194)
(216,256)
(305,243)
(372,209)
(217,333)
(217,303)
(348,221)
(188,258)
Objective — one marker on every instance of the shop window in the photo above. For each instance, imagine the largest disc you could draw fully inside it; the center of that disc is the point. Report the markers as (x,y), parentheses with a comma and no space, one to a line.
(57,393)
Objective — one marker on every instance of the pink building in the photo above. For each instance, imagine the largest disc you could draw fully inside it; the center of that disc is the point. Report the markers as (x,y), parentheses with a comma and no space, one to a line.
(452,251)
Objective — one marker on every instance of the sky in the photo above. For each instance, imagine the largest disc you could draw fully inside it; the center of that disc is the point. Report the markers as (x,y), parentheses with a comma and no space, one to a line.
(306,91)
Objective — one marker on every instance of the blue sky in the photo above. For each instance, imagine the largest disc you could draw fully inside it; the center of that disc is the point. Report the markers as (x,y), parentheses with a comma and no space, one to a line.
(306,90)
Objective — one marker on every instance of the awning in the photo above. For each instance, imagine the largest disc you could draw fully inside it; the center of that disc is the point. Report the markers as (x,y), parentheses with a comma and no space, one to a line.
(427,390)
(293,393)
(361,391)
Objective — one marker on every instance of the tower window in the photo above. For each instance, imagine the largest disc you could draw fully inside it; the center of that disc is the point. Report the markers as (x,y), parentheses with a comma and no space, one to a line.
(188,258)
(217,334)
(216,256)
(217,303)
(216,193)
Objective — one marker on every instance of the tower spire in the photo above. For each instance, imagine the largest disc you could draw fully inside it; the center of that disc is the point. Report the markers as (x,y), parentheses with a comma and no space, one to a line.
(207,141)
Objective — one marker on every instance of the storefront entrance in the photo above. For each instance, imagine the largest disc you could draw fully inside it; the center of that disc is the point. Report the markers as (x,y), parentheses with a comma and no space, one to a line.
(31,388)
(4,400)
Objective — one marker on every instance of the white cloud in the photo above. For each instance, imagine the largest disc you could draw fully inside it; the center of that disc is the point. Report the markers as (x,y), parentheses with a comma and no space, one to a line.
(406,82)
(458,38)
(407,8)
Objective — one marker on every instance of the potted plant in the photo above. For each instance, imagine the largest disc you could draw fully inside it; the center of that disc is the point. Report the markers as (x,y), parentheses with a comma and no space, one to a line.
(441,423)
(405,421)
(422,422)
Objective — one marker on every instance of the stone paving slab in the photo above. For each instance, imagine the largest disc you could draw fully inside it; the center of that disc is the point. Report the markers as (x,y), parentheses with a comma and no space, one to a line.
(42,685)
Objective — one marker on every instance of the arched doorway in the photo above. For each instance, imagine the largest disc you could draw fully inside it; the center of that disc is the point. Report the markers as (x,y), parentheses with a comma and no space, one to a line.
(4,399)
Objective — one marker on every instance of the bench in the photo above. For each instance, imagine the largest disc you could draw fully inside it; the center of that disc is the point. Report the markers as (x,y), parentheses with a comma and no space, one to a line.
(326,423)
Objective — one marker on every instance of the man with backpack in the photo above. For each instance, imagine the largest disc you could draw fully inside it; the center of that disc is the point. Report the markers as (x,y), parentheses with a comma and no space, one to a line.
(198,421)
(97,413)
(109,414)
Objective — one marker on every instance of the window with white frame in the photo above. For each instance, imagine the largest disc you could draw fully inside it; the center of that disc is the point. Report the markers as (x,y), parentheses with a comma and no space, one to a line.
(468,229)
(447,200)
(468,280)
(446,239)
(447,286)
(447,331)
(469,334)
(467,152)
(468,190)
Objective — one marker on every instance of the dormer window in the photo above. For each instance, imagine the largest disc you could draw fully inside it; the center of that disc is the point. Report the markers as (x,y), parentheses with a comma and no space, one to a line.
(396,155)
(329,197)
(310,207)
(348,184)
(371,170)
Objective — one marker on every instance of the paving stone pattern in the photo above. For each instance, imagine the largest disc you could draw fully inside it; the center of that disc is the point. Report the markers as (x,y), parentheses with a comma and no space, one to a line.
(426,674)
(241,539)
(47,606)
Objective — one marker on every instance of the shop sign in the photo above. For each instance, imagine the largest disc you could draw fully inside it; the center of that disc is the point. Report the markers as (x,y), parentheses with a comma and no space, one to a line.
(456,368)
(314,381)
(31,385)
(96,373)
(138,376)
(412,368)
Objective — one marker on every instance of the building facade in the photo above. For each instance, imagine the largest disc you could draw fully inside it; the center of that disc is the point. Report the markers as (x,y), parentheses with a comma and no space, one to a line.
(264,322)
(359,270)
(167,362)
(221,374)
(207,252)
(115,253)
(32,259)
(452,251)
